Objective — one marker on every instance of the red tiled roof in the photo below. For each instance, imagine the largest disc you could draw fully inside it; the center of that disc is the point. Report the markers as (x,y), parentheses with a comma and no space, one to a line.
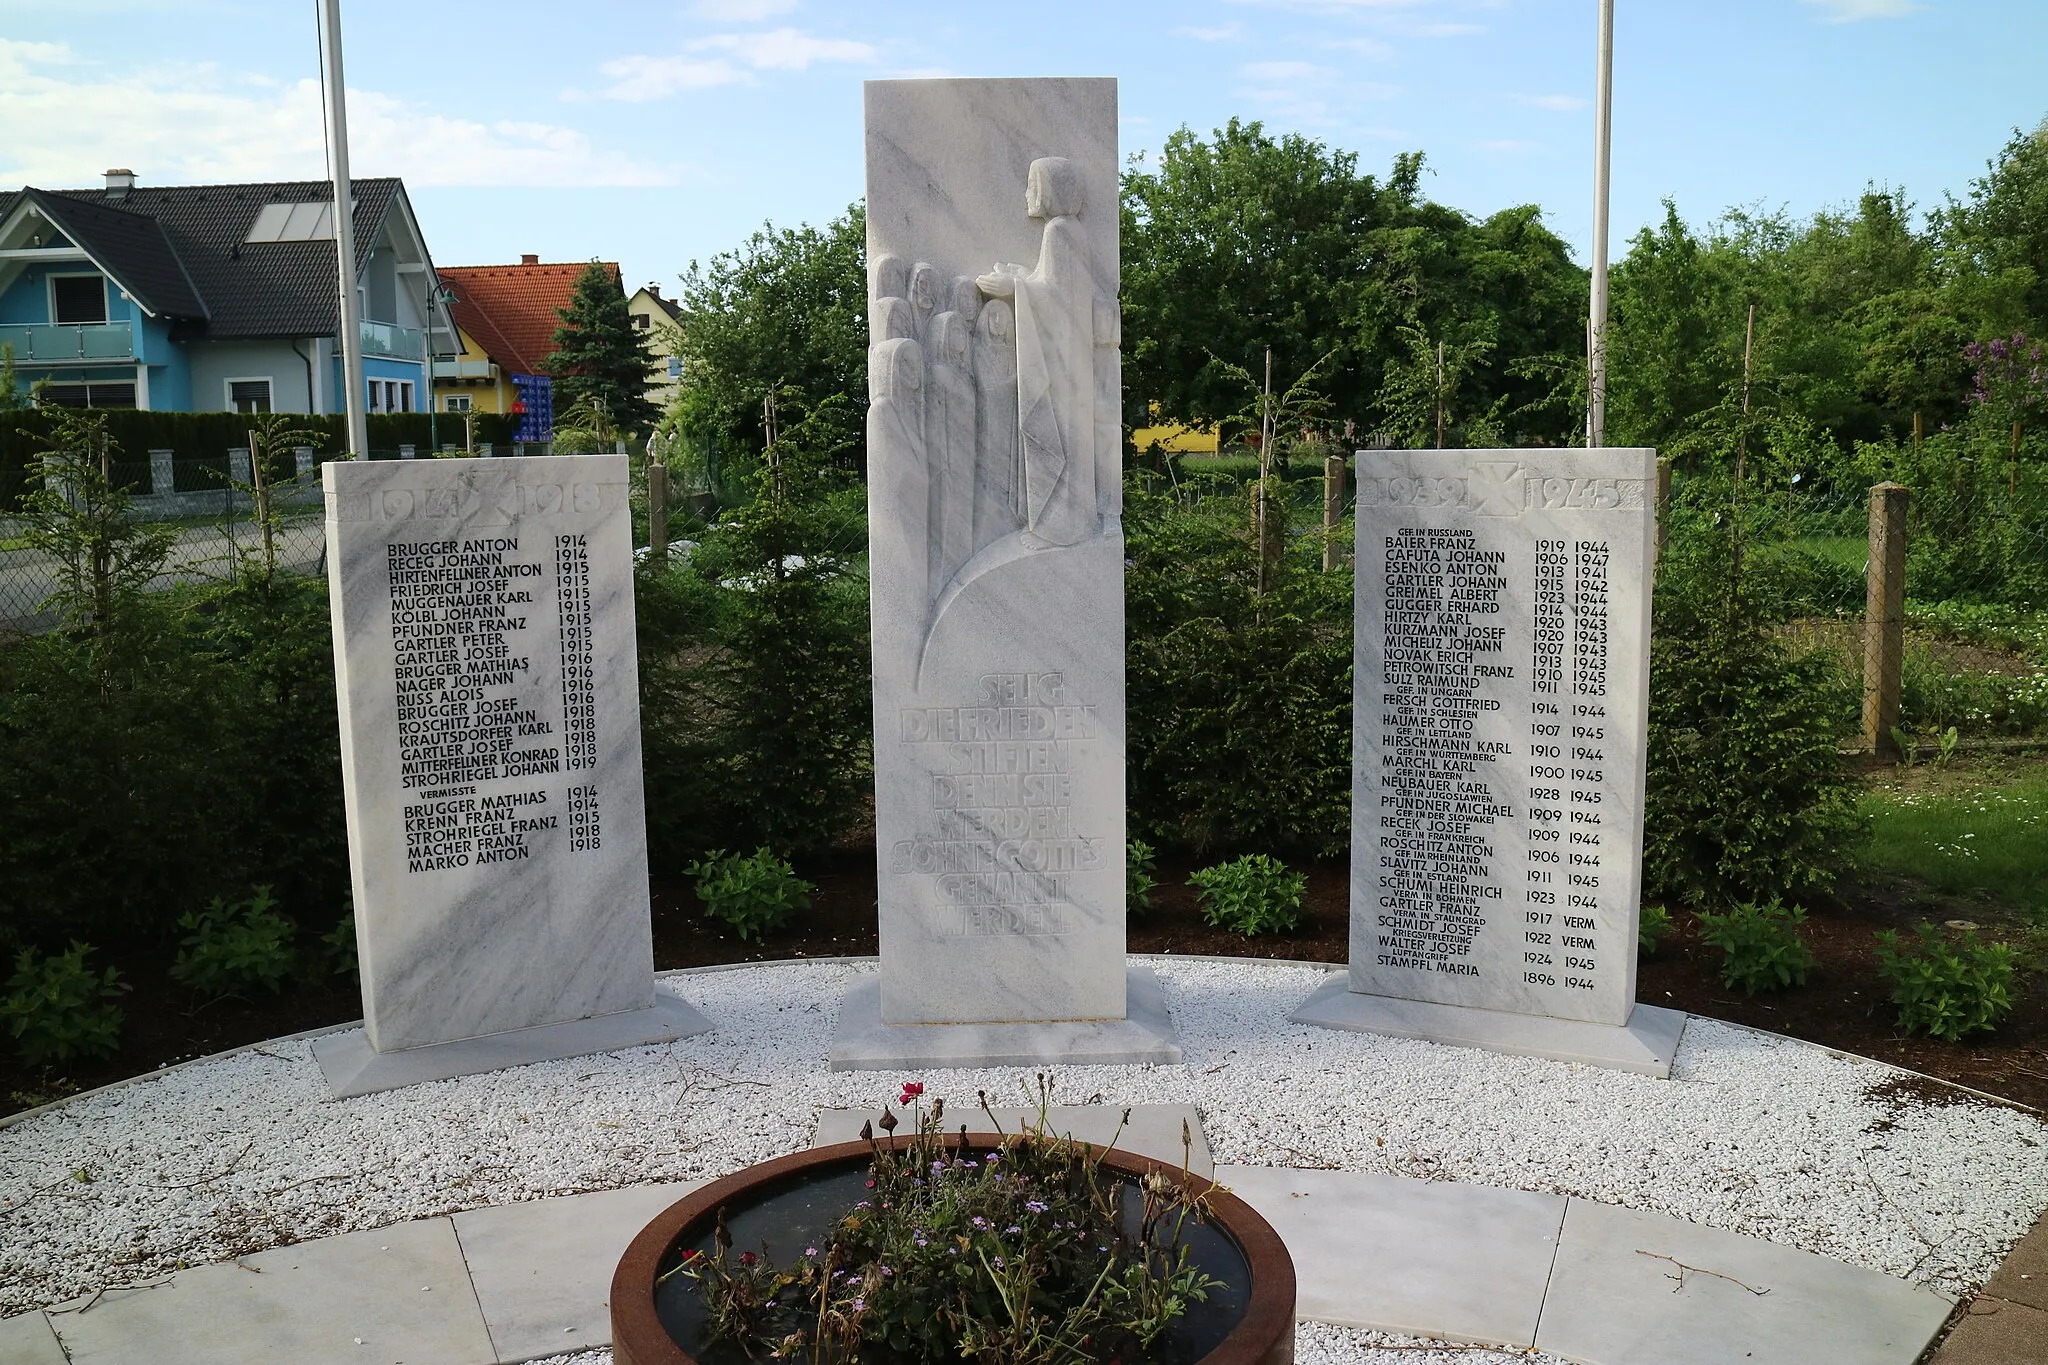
(509,310)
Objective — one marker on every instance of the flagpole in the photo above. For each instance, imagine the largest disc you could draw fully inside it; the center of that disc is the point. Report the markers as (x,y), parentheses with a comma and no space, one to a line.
(344,233)
(1596,322)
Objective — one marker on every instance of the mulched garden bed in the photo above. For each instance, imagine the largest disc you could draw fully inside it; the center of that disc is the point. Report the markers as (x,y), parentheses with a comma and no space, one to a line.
(1843,1005)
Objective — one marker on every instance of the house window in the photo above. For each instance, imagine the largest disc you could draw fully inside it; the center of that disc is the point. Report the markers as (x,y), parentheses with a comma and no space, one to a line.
(405,395)
(249,395)
(78,299)
(641,322)
(86,395)
(675,367)
(455,402)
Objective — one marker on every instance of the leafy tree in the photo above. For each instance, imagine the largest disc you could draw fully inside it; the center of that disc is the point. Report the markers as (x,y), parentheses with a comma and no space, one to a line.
(754,657)
(784,313)
(1246,241)
(1999,237)
(598,356)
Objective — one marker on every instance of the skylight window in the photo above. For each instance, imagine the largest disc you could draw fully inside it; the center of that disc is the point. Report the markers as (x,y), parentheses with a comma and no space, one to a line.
(293,223)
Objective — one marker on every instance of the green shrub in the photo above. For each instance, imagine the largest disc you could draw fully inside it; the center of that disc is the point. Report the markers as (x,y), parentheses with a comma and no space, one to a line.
(749,893)
(228,948)
(1749,797)
(58,1010)
(1651,928)
(1223,680)
(1946,987)
(338,946)
(1761,949)
(1140,863)
(1253,895)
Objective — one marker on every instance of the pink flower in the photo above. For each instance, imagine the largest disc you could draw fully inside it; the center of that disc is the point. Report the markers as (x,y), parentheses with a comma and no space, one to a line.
(911,1090)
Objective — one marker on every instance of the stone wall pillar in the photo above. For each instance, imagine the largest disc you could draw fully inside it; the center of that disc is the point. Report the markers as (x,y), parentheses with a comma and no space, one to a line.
(163,477)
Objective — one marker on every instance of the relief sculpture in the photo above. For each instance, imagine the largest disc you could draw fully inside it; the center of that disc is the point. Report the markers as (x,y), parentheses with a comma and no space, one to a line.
(997,399)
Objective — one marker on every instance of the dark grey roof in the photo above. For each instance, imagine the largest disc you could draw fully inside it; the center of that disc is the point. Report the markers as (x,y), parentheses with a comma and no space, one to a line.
(131,247)
(241,289)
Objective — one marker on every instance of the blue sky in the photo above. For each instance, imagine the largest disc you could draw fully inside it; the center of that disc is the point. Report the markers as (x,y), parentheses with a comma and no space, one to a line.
(654,133)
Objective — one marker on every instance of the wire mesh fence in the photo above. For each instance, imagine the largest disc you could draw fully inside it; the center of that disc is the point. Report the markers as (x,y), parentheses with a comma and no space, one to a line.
(1974,635)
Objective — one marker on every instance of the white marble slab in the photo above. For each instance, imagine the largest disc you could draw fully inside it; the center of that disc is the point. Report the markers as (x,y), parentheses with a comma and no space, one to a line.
(996,565)
(490,740)
(1631,1286)
(1645,1044)
(1500,711)
(864,1041)
(1433,1258)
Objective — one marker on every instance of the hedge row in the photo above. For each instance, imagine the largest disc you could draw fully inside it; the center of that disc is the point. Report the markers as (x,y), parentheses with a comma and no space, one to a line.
(199,441)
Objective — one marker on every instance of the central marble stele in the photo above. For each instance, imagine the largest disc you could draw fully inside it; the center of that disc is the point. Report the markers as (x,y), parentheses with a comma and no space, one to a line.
(996,578)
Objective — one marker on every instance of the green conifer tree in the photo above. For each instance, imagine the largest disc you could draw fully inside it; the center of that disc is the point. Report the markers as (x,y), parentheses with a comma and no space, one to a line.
(598,356)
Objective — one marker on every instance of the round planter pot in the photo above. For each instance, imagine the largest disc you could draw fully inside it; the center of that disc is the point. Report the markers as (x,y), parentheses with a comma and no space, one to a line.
(1263,1336)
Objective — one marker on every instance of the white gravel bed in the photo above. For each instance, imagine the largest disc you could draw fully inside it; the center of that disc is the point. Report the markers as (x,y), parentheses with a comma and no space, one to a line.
(1764,1136)
(1315,1343)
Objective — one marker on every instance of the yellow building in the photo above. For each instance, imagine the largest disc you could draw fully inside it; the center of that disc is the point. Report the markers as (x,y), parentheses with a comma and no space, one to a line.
(1172,436)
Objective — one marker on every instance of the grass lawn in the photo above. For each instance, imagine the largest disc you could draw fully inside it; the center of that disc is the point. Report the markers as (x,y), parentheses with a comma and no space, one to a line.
(1980,833)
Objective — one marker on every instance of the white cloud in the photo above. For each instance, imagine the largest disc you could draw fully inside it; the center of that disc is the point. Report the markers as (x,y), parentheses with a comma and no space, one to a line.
(1849,11)
(1305,93)
(785,49)
(741,11)
(1222,33)
(641,78)
(1559,103)
(193,124)
(1370,48)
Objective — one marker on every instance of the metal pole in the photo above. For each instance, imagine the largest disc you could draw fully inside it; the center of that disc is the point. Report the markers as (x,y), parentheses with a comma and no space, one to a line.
(344,232)
(1596,323)
(427,336)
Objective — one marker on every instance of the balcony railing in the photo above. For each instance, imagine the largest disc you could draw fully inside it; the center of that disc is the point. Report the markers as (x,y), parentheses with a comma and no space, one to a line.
(390,340)
(49,344)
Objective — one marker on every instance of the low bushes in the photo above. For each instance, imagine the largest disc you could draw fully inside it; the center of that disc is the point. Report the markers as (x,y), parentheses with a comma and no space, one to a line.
(749,893)
(1761,949)
(1253,895)
(57,1009)
(1946,987)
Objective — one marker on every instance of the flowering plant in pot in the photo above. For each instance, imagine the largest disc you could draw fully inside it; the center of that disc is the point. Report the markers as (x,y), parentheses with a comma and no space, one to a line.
(1016,1248)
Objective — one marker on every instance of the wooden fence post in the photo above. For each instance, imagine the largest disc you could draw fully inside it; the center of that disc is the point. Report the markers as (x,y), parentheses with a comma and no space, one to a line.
(657,512)
(1333,510)
(1884,630)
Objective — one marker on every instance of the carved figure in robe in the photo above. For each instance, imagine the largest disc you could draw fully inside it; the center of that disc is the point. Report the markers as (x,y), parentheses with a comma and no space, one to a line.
(926,284)
(899,474)
(949,442)
(1056,363)
(999,480)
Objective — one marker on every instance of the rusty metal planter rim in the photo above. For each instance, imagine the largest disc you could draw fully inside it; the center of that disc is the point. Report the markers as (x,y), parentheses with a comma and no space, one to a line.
(1264,1336)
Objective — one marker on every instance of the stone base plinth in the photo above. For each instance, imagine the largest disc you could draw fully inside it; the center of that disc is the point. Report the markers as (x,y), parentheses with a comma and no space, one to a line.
(1646,1044)
(863,1042)
(353,1067)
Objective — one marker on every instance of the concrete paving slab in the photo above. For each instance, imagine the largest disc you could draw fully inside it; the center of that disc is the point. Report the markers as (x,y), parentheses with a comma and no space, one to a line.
(28,1340)
(862,1042)
(543,1269)
(1632,1286)
(1646,1044)
(2023,1276)
(403,1291)
(1432,1258)
(1996,1332)
(1154,1129)
(352,1067)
